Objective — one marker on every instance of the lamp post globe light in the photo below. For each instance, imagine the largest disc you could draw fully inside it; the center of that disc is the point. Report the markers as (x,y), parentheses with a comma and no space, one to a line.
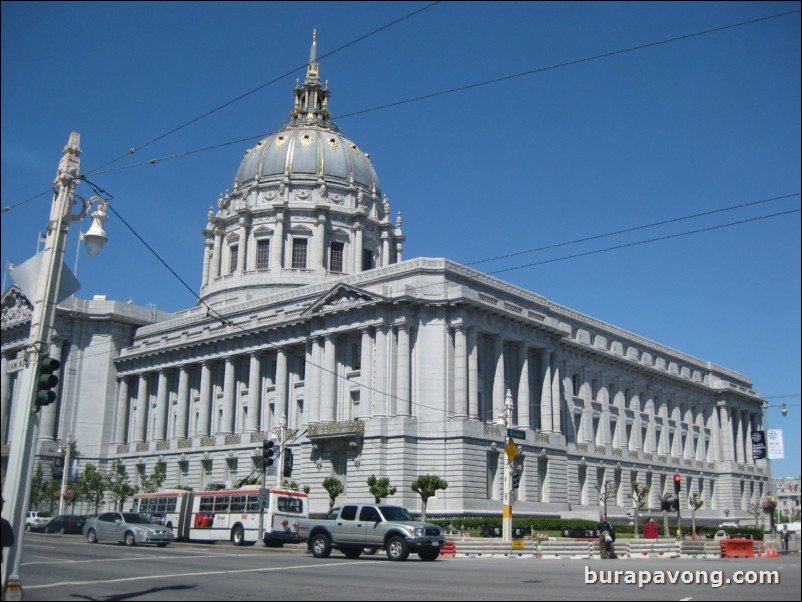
(25,424)
(784,411)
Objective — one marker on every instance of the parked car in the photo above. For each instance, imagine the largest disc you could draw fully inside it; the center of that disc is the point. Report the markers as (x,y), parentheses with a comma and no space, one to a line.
(37,521)
(130,528)
(66,523)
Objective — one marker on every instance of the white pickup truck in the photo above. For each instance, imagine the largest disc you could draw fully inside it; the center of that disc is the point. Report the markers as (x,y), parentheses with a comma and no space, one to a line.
(356,527)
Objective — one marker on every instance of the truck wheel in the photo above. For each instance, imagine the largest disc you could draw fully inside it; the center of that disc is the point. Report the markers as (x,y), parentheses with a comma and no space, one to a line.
(91,536)
(320,546)
(429,554)
(238,536)
(352,552)
(397,548)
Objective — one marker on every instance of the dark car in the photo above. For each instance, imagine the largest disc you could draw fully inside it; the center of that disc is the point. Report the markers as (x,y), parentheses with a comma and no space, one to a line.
(66,523)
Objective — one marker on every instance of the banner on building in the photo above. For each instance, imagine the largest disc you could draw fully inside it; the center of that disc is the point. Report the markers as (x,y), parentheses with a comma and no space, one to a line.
(775,444)
(759,445)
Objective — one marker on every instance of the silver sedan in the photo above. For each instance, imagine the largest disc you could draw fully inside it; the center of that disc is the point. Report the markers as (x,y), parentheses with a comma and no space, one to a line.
(129,528)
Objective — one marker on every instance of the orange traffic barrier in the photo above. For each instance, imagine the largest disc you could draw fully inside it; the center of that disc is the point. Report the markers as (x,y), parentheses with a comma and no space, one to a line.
(771,549)
(449,550)
(737,548)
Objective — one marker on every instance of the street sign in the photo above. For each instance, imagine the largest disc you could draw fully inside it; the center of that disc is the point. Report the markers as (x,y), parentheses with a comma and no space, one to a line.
(518,544)
(516,434)
(15,365)
(264,498)
(512,450)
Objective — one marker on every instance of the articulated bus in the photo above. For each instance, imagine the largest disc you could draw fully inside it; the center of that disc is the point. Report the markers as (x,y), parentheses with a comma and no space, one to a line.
(227,514)
(169,508)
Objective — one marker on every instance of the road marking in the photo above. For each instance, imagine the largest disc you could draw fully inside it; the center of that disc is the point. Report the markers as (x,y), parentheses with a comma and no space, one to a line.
(196,574)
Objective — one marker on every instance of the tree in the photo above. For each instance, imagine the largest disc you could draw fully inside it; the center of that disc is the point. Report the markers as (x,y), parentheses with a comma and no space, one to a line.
(117,484)
(664,499)
(639,496)
(755,509)
(427,486)
(335,488)
(694,503)
(606,491)
(380,488)
(152,483)
(91,486)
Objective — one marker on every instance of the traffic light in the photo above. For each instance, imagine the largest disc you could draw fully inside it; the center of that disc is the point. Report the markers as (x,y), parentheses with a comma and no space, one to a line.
(675,504)
(677,484)
(665,505)
(268,453)
(287,463)
(516,478)
(46,381)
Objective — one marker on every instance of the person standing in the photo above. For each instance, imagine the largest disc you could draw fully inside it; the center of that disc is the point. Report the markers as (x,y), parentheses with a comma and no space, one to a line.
(606,535)
(650,530)
(785,536)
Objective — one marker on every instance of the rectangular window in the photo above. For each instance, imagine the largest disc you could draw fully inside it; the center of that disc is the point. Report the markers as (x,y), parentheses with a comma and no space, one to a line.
(575,384)
(336,260)
(299,253)
(262,254)
(367,260)
(234,254)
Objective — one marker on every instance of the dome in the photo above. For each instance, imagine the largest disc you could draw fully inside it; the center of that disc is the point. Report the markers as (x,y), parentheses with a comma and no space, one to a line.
(307,151)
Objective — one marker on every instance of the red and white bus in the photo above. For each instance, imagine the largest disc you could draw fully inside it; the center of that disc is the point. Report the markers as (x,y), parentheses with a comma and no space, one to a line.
(169,508)
(233,514)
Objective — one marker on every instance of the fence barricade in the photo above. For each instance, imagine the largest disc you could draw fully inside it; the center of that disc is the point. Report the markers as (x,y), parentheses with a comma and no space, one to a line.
(737,548)
(449,550)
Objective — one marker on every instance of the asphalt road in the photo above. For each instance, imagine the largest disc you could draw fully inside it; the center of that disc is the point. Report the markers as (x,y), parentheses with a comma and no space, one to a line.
(66,567)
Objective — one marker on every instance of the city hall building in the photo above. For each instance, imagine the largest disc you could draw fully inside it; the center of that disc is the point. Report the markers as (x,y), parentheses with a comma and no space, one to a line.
(311,319)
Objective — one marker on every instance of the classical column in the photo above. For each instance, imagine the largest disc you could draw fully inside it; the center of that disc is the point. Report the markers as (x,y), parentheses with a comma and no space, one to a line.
(216,259)
(328,402)
(404,405)
(281,383)
(366,373)
(207,259)
(182,403)
(122,411)
(740,455)
(460,372)
(380,386)
(229,396)
(318,261)
(141,421)
(473,375)
(556,395)
(205,408)
(312,384)
(358,246)
(277,244)
(242,244)
(385,258)
(254,393)
(161,406)
(546,405)
(524,420)
(498,378)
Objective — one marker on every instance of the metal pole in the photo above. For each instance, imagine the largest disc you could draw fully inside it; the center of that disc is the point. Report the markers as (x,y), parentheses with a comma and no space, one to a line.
(506,516)
(65,474)
(282,437)
(25,427)
(261,507)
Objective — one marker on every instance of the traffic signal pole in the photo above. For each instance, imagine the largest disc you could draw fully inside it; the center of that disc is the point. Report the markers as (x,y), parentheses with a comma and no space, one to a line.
(25,426)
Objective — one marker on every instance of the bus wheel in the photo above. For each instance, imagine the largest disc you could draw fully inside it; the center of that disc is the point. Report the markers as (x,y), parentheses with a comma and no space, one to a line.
(238,536)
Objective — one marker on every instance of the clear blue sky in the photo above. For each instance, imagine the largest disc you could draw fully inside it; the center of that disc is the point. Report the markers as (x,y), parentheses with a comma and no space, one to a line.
(579,150)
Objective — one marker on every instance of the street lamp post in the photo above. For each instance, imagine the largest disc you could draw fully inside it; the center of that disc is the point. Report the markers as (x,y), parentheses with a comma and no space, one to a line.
(25,426)
(784,410)
(65,474)
(505,419)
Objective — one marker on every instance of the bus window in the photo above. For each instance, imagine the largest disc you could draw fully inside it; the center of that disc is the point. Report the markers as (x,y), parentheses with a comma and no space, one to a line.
(237,503)
(221,503)
(290,504)
(207,503)
(253,503)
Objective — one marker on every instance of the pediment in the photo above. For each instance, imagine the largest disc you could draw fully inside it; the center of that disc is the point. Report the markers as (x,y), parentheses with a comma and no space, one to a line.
(16,307)
(342,298)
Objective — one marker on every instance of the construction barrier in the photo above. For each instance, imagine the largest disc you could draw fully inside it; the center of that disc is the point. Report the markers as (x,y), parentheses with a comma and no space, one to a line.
(449,550)
(737,548)
(771,549)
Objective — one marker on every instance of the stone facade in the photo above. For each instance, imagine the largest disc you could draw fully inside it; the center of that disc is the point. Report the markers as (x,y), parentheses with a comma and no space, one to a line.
(396,368)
